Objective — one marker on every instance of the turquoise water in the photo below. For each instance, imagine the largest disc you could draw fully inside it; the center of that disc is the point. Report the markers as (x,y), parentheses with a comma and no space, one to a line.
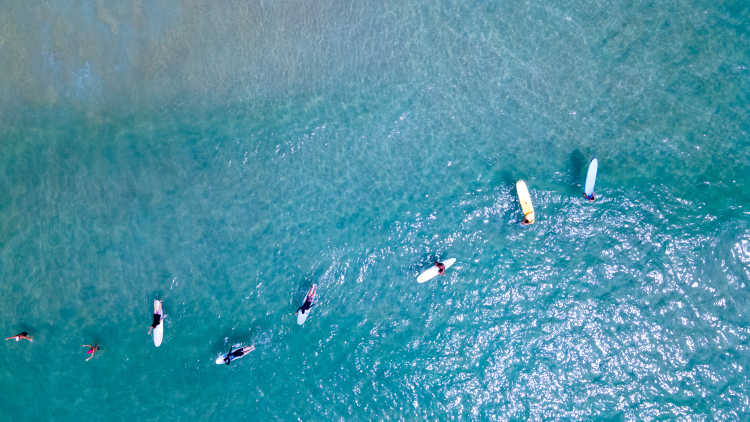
(223,156)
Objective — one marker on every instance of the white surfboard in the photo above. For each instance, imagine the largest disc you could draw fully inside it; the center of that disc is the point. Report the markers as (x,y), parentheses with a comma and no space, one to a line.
(159,330)
(302,316)
(591,179)
(433,271)
(525,200)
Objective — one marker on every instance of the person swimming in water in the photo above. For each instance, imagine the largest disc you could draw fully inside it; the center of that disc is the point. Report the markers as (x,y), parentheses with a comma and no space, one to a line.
(92,350)
(22,335)
(441,268)
(232,355)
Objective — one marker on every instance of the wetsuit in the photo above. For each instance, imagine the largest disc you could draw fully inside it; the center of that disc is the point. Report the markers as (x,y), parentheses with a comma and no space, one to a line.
(157,320)
(234,355)
(305,306)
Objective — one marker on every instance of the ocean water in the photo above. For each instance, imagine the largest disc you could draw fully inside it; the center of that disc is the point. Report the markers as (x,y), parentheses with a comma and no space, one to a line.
(223,156)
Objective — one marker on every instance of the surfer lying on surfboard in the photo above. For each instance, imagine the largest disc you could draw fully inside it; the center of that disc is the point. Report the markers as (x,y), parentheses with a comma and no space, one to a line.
(236,354)
(305,306)
(309,301)
(22,335)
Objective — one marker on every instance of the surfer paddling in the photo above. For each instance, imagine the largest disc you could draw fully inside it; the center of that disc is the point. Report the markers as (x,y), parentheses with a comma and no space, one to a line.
(305,306)
(22,335)
(236,354)
(92,350)
(304,311)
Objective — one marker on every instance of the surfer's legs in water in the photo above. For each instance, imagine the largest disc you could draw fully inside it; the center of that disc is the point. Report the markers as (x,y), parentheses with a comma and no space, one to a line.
(22,335)
(591,198)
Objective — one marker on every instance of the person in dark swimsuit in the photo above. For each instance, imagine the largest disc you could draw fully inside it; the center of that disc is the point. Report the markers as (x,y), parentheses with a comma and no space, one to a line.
(22,335)
(590,198)
(157,320)
(305,306)
(234,354)
(441,267)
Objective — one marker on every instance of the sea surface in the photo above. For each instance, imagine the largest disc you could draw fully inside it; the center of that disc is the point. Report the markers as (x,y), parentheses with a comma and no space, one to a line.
(224,155)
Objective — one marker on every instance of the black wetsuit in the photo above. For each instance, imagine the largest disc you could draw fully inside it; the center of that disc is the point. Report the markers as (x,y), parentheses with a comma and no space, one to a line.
(305,306)
(157,320)
(234,355)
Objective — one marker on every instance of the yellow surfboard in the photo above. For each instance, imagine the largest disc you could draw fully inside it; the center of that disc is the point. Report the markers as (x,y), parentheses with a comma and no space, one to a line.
(525,199)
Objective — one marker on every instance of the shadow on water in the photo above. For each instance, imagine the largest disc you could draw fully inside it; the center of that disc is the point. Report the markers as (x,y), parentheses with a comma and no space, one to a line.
(92,337)
(27,327)
(577,170)
(505,178)
(234,340)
